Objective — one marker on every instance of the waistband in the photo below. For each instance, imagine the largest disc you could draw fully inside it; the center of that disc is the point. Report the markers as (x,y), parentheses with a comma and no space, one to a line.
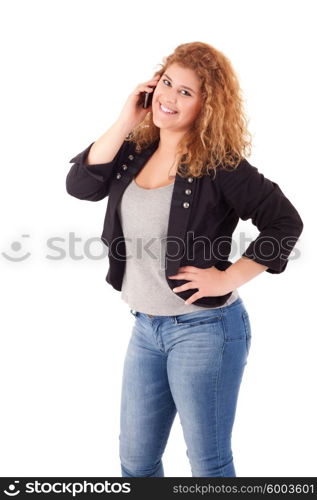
(237,302)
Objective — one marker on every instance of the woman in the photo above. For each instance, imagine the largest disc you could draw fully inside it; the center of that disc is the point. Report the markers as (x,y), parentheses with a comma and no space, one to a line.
(176,171)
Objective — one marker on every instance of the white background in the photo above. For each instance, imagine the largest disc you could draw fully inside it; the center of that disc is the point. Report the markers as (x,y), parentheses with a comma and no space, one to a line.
(67,69)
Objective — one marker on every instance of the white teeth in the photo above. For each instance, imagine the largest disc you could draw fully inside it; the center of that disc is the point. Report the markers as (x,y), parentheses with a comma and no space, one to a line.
(166,110)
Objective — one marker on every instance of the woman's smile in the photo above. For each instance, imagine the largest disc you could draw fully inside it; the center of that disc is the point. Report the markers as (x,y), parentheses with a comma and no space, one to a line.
(166,110)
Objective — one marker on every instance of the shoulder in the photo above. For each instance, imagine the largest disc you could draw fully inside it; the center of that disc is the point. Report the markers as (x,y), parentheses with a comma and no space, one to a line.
(242,168)
(242,172)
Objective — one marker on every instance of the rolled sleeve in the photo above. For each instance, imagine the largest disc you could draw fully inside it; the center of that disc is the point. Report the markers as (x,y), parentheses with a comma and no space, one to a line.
(255,197)
(92,182)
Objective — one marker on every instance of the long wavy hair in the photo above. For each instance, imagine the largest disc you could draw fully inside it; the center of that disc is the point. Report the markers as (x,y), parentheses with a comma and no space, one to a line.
(219,135)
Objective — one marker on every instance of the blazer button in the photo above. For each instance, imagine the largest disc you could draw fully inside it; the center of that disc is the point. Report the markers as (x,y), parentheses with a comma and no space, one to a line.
(188,191)
(185,204)
(118,175)
(131,157)
(124,167)
(190,179)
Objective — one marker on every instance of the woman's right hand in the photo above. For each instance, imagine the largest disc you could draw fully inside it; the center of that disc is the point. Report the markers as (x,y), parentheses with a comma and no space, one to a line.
(133,112)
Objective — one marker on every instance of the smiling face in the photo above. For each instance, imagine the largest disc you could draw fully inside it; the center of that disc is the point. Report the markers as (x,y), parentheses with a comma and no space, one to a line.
(178,90)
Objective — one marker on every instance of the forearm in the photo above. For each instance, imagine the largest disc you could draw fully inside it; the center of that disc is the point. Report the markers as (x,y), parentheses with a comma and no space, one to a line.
(242,271)
(106,147)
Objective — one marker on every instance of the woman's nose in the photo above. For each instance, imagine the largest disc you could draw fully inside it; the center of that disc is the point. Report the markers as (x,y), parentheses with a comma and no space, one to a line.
(170,98)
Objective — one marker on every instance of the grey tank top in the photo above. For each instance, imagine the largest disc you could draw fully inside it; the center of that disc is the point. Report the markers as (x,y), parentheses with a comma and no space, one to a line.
(144,219)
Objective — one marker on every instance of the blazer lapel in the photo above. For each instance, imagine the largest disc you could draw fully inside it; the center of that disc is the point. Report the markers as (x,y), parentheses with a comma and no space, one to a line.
(124,174)
(181,206)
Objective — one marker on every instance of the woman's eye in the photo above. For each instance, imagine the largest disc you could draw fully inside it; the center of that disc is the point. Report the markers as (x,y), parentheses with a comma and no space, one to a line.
(183,89)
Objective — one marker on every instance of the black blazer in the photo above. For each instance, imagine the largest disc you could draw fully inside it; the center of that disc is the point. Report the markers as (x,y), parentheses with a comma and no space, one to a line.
(204,213)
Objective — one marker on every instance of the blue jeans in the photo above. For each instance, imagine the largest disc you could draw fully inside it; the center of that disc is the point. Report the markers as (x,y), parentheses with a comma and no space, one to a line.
(191,364)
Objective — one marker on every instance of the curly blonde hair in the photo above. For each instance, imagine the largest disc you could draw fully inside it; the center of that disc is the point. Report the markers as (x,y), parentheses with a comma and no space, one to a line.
(219,134)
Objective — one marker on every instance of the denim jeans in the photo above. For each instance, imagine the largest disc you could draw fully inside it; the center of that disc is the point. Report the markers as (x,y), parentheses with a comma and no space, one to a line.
(191,364)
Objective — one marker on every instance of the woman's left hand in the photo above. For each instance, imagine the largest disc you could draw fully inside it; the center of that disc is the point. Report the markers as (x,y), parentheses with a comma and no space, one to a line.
(210,282)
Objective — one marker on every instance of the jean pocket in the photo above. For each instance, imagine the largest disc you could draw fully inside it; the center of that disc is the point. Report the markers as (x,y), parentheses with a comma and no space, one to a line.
(196,319)
(247,327)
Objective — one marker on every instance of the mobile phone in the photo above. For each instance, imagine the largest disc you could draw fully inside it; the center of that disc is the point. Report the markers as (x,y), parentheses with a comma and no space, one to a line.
(147,98)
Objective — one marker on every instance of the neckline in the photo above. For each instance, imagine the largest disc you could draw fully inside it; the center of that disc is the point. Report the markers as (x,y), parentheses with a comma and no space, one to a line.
(153,189)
